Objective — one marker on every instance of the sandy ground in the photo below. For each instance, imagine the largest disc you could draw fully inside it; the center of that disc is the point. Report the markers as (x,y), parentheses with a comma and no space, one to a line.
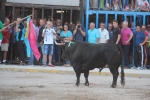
(45,86)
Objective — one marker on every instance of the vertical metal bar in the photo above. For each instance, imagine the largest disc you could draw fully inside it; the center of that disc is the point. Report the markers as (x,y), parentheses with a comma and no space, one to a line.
(125,17)
(106,21)
(42,12)
(52,13)
(134,18)
(83,19)
(13,18)
(97,20)
(115,16)
(32,13)
(71,15)
(61,16)
(22,11)
(87,18)
(144,19)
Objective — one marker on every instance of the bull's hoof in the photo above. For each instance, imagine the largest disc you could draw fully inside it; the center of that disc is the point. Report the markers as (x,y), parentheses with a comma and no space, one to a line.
(87,84)
(122,83)
(113,86)
(77,84)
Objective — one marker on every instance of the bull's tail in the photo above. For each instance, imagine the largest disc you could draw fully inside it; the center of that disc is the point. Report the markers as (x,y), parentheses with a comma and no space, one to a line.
(122,63)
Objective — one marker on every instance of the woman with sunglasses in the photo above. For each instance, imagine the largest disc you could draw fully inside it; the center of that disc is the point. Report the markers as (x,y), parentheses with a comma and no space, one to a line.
(68,37)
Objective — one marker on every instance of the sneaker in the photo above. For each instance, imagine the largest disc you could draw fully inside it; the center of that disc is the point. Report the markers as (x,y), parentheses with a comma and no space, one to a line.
(133,67)
(50,65)
(143,68)
(139,68)
(44,65)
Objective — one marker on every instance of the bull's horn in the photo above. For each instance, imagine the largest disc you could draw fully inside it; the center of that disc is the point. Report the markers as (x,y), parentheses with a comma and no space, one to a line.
(59,43)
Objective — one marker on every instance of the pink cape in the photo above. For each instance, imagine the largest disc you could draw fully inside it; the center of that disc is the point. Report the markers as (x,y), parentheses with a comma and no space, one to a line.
(32,40)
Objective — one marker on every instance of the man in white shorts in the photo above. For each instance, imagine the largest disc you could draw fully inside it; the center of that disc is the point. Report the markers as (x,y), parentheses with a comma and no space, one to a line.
(5,41)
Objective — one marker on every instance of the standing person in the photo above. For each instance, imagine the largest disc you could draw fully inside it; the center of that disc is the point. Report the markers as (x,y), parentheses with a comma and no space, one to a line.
(57,50)
(68,37)
(79,32)
(36,29)
(139,39)
(104,35)
(110,27)
(49,35)
(93,34)
(1,38)
(116,32)
(20,32)
(5,41)
(40,38)
(126,36)
(145,45)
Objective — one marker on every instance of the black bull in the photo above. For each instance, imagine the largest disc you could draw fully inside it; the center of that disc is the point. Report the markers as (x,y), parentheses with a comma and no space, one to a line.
(85,56)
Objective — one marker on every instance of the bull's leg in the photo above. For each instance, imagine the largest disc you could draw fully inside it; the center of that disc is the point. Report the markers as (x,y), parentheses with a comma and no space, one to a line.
(86,74)
(78,78)
(115,74)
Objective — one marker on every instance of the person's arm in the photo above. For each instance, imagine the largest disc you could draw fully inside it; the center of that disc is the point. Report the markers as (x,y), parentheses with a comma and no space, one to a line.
(97,41)
(44,32)
(75,31)
(131,36)
(82,32)
(146,39)
(70,37)
(119,37)
(107,37)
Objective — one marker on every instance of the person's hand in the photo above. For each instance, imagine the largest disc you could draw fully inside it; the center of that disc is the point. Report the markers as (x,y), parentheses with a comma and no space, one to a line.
(60,27)
(41,43)
(71,23)
(126,42)
(141,44)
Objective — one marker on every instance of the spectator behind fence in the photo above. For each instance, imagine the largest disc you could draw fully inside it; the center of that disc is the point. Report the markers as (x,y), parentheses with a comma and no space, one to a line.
(20,32)
(126,36)
(94,4)
(1,38)
(116,32)
(117,5)
(57,51)
(139,39)
(110,27)
(68,37)
(40,38)
(104,35)
(5,41)
(145,45)
(143,5)
(79,32)
(49,35)
(36,29)
(93,34)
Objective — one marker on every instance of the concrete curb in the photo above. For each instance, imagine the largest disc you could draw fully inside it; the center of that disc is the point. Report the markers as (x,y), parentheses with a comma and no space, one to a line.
(70,71)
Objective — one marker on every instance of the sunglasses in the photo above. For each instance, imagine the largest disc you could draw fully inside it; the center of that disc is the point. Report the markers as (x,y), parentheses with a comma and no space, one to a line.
(109,26)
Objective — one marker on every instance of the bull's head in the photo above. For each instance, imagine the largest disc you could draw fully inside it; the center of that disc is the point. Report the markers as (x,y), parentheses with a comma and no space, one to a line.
(66,52)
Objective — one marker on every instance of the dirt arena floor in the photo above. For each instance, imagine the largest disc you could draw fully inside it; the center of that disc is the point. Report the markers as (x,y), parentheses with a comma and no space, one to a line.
(45,86)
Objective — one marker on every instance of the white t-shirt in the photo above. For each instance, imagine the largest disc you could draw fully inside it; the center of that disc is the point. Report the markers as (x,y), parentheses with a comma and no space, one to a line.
(143,3)
(104,35)
(49,37)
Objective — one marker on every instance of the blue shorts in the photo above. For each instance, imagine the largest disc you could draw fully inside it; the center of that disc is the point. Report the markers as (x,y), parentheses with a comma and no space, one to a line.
(48,49)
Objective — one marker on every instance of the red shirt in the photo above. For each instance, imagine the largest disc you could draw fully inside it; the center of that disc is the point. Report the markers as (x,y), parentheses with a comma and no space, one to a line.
(146,33)
(6,34)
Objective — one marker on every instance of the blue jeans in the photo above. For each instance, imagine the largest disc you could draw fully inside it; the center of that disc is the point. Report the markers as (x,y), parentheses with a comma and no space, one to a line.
(48,49)
(42,48)
(125,3)
(31,58)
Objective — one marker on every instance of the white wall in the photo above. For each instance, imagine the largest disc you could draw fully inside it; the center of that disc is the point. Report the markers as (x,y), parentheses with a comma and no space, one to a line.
(48,2)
